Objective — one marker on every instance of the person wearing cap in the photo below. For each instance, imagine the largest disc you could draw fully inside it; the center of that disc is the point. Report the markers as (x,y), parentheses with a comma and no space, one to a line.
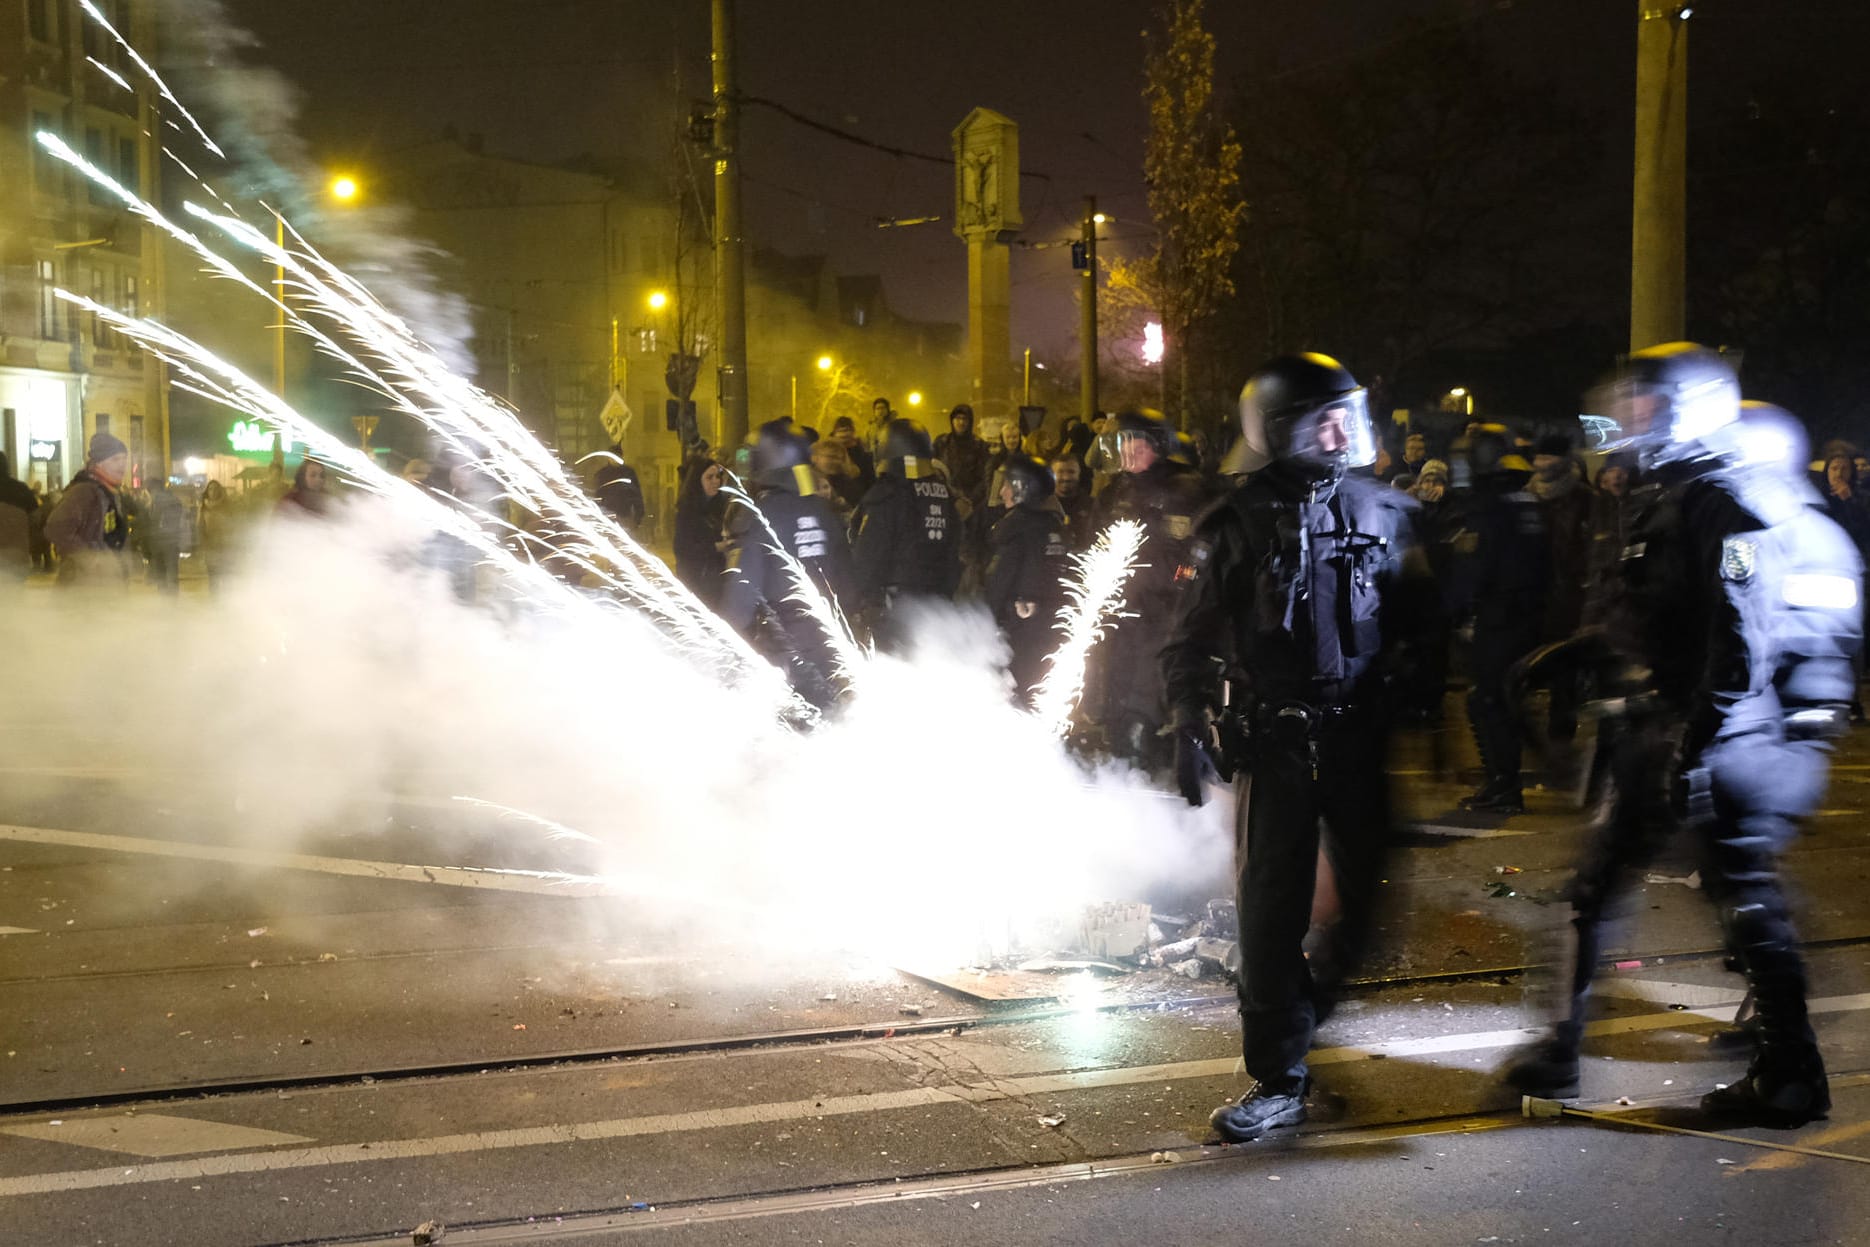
(90,526)
(906,535)
(1025,580)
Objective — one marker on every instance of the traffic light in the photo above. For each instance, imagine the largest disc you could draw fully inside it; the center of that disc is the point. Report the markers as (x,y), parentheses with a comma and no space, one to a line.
(1081,256)
(679,414)
(680,374)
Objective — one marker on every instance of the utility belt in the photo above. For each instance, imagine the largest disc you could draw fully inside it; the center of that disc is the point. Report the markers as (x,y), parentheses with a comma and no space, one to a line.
(1251,726)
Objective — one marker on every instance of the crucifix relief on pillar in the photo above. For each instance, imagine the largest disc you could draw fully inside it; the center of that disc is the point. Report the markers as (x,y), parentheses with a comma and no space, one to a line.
(986,182)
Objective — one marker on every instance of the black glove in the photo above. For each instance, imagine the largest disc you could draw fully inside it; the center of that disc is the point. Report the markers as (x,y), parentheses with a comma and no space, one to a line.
(1194,766)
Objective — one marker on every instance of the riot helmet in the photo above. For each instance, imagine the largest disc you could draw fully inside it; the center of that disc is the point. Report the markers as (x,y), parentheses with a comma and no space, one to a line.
(1770,438)
(1307,410)
(779,454)
(1140,431)
(905,439)
(1028,480)
(1667,404)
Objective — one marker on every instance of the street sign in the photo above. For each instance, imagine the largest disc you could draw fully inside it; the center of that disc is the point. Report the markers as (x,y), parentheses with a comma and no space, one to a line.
(615,417)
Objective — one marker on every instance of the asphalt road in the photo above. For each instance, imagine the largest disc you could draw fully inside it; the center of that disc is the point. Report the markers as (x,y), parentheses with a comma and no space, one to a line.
(392,1043)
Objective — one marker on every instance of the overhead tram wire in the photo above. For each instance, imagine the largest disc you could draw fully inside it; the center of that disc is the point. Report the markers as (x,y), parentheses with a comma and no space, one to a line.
(904,153)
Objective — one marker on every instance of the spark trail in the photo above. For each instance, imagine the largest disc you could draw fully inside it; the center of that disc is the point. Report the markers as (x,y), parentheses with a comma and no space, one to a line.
(1093,599)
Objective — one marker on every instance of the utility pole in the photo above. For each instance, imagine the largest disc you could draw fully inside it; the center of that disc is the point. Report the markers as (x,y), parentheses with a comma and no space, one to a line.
(730,275)
(1087,332)
(1658,246)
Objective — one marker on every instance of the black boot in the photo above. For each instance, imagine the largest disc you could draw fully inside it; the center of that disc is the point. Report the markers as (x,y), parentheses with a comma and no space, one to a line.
(1782,1090)
(1498,795)
(1547,1069)
(1261,1109)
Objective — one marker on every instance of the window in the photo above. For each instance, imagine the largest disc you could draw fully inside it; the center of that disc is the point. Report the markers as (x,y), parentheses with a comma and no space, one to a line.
(48,302)
(39,20)
(94,152)
(132,307)
(646,341)
(100,295)
(128,171)
(103,422)
(45,168)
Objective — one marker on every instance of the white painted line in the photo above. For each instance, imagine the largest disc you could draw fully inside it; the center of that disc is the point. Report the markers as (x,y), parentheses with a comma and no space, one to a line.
(17,931)
(444,876)
(153,1134)
(800,1110)
(1658,992)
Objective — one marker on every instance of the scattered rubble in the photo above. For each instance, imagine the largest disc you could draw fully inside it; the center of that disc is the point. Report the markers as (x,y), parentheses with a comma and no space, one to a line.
(427,1233)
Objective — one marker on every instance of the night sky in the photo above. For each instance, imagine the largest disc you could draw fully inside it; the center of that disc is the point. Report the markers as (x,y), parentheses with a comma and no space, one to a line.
(551,79)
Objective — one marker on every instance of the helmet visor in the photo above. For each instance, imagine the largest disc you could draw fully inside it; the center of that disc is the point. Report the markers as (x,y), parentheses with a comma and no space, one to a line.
(1335,434)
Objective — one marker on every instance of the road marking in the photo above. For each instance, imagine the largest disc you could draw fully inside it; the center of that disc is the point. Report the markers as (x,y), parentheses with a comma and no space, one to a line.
(975,1093)
(444,876)
(153,1134)
(17,931)
(1824,1139)
(1659,992)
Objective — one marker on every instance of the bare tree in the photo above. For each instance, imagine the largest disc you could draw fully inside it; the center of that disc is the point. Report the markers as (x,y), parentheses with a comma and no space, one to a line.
(1191,163)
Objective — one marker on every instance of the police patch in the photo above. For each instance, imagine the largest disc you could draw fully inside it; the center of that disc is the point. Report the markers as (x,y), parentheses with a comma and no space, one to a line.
(1738,557)
(1180,526)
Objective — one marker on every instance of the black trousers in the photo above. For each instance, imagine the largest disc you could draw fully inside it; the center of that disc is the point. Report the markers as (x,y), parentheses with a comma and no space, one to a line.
(1743,801)
(1490,709)
(1281,809)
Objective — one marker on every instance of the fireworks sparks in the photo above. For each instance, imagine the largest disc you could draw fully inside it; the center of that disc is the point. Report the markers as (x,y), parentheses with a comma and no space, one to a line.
(1093,599)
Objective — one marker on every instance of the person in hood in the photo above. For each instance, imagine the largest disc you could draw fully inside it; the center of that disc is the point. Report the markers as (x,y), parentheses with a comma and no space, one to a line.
(90,526)
(619,492)
(965,457)
(1025,579)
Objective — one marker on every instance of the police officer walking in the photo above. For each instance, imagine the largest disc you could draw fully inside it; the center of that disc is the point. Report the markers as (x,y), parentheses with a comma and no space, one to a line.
(760,593)
(906,532)
(1730,628)
(1502,575)
(1165,496)
(1306,582)
(1025,580)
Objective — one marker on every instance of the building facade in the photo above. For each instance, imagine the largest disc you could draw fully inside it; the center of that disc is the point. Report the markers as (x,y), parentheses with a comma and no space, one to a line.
(64,374)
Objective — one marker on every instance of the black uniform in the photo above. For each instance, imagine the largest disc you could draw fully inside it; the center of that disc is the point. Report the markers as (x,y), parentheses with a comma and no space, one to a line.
(1166,498)
(1025,586)
(620,494)
(906,539)
(1503,575)
(759,596)
(1732,623)
(1305,589)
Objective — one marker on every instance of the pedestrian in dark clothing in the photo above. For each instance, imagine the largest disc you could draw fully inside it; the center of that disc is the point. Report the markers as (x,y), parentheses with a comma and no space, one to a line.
(1727,639)
(18,504)
(795,532)
(1164,496)
(1846,505)
(699,512)
(90,526)
(167,523)
(965,457)
(1075,502)
(1503,575)
(906,534)
(1025,580)
(618,491)
(1305,582)
(1570,507)
(1074,440)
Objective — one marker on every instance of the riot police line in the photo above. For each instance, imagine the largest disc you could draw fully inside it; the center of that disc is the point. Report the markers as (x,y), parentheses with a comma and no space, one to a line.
(1284,620)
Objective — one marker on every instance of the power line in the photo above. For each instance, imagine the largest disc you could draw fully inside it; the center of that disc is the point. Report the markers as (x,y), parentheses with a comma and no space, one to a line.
(812,123)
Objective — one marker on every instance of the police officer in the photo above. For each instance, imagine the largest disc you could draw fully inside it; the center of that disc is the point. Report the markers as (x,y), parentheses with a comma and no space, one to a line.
(906,532)
(1502,575)
(1730,630)
(760,593)
(1025,580)
(1307,583)
(1165,496)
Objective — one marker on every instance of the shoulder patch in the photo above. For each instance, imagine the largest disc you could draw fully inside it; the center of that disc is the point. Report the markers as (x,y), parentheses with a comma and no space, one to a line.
(1739,557)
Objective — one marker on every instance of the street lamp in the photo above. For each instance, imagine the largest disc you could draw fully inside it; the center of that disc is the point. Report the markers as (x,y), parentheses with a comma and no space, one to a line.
(824,363)
(658,299)
(915,398)
(344,188)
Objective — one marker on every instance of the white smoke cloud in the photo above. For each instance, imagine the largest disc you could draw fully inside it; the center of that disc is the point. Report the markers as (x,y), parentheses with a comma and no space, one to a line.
(931,822)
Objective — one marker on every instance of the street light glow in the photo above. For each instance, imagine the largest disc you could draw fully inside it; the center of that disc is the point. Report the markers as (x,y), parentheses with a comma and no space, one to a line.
(915,398)
(658,300)
(344,187)
(824,363)
(1099,218)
